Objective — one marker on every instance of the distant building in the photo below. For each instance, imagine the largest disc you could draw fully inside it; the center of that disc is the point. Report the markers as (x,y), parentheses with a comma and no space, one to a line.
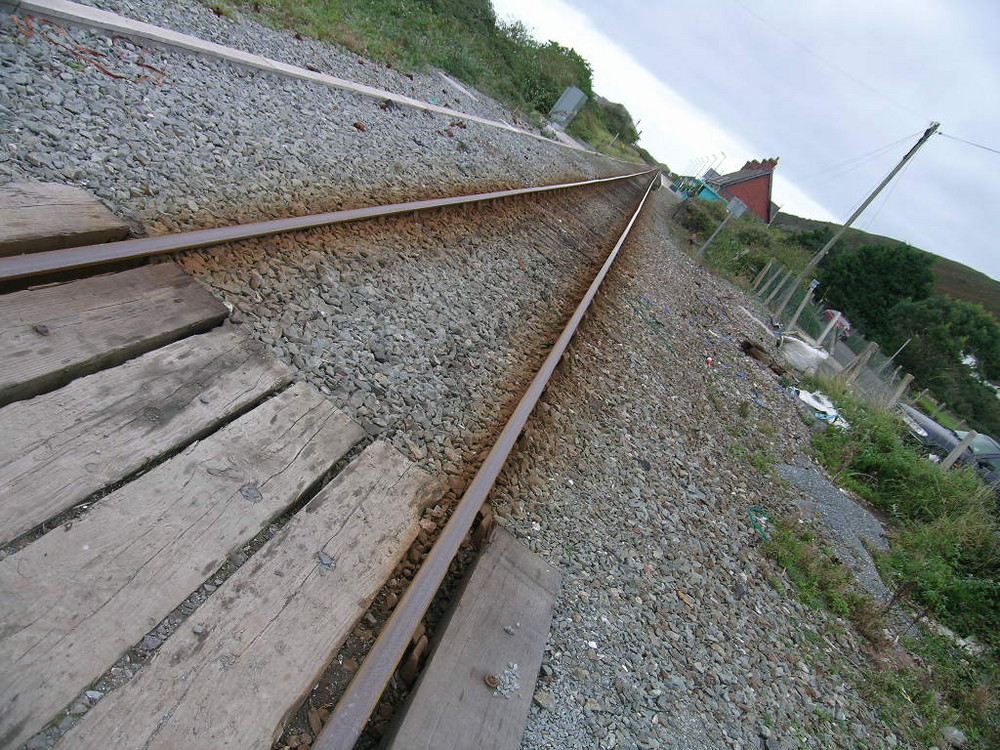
(752,185)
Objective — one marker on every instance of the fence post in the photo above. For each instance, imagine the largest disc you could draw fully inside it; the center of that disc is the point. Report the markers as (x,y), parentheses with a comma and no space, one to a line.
(853,368)
(919,396)
(767,284)
(760,276)
(829,327)
(798,310)
(958,450)
(903,385)
(780,285)
(940,408)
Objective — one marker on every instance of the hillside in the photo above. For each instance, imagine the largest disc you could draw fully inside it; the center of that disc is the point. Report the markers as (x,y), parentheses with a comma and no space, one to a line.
(950,277)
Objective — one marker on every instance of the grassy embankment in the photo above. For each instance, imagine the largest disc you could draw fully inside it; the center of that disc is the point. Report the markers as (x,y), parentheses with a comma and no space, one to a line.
(943,563)
(944,557)
(465,39)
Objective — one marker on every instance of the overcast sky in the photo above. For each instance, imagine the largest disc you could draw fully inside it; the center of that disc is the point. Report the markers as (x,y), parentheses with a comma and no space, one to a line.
(819,84)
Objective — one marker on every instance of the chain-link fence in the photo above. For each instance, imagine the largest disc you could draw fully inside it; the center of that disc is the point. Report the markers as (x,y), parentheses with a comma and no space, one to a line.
(876,376)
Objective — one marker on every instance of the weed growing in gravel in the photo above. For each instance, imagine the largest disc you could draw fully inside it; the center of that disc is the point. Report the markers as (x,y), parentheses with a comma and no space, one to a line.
(820,579)
(944,554)
(946,545)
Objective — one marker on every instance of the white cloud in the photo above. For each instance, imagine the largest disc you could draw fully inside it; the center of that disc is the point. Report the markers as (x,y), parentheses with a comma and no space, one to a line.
(673,129)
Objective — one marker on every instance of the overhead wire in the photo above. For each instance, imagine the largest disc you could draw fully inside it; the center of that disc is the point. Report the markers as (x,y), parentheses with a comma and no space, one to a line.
(970,143)
(846,73)
(850,164)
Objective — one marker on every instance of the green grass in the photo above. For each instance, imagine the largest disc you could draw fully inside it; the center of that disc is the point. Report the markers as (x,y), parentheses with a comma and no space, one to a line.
(744,247)
(819,578)
(943,686)
(946,544)
(943,561)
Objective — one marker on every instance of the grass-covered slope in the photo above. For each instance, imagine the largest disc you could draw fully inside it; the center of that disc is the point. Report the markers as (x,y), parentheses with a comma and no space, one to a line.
(950,277)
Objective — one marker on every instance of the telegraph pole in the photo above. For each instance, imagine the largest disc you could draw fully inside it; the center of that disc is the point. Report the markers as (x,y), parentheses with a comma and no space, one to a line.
(783,302)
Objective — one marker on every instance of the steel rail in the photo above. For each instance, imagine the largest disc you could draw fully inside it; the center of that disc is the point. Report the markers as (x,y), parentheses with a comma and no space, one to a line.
(355,706)
(51,261)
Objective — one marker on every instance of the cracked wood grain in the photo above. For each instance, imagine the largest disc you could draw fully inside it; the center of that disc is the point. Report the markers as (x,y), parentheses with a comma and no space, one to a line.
(53,334)
(62,447)
(502,618)
(74,600)
(271,629)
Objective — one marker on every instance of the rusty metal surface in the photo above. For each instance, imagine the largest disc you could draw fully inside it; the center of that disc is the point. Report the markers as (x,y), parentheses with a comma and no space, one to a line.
(36,264)
(352,711)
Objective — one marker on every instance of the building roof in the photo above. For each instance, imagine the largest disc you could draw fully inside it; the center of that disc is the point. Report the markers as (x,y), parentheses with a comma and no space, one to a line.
(750,170)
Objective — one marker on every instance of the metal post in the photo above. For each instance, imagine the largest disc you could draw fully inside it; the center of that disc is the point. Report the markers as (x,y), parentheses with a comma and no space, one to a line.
(959,450)
(798,311)
(701,251)
(903,385)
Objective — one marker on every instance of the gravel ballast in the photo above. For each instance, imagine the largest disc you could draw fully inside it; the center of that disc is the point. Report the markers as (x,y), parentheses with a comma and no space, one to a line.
(635,477)
(637,471)
(216,143)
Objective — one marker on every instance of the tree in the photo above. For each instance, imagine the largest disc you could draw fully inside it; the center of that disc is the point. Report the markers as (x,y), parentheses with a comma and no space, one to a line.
(943,330)
(868,282)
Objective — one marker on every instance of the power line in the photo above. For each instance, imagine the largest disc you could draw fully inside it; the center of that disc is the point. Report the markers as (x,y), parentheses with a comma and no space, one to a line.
(888,195)
(850,164)
(847,74)
(970,143)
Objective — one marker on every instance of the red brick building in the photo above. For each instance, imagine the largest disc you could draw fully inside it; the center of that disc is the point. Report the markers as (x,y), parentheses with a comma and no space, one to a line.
(752,185)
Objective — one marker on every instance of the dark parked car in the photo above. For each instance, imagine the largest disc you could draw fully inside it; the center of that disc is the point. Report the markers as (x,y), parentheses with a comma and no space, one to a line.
(983,453)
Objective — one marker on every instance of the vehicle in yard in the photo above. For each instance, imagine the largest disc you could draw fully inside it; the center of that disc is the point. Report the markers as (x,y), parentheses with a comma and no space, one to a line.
(843,325)
(982,454)
(985,458)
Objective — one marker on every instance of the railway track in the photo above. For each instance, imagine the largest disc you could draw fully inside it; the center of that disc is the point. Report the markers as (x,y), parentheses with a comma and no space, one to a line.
(433,326)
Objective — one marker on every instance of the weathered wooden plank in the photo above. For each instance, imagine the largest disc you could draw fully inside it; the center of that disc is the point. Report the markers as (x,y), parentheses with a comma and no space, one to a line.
(51,335)
(452,706)
(61,447)
(75,599)
(37,216)
(270,630)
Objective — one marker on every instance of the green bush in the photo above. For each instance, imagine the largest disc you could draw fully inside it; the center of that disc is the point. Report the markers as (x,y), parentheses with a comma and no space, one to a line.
(701,216)
(946,547)
(754,234)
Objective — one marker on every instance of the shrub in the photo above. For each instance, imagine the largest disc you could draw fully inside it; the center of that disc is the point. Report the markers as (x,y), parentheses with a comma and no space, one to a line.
(701,216)
(947,544)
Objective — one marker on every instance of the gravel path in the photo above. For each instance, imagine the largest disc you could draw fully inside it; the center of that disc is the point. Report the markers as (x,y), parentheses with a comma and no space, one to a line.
(851,524)
(635,477)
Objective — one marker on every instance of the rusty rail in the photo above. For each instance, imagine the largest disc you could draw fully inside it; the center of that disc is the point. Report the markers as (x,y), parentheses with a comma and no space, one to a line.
(52,261)
(355,706)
